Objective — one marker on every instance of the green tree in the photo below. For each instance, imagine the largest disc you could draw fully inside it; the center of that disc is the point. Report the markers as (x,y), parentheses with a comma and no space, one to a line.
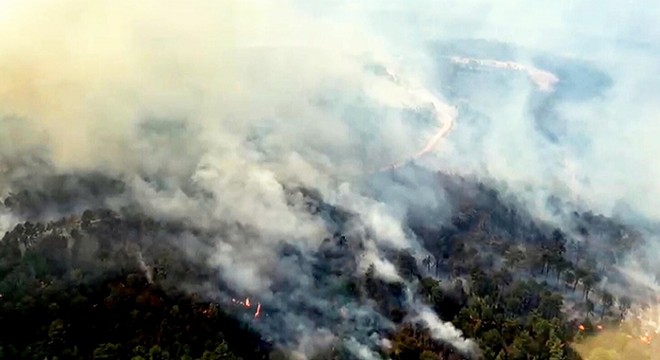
(550,305)
(56,334)
(157,353)
(107,351)
(492,339)
(555,347)
(221,352)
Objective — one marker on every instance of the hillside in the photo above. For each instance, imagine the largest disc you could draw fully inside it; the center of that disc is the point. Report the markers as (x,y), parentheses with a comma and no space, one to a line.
(102,283)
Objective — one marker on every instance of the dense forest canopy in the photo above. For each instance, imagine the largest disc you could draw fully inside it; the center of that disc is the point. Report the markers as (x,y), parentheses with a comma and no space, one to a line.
(108,284)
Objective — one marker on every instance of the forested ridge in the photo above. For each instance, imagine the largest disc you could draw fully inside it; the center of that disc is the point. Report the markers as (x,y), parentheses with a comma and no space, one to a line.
(108,284)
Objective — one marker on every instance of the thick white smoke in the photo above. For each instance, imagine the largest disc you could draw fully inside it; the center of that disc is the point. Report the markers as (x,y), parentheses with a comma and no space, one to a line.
(604,138)
(440,330)
(7,221)
(239,99)
(236,99)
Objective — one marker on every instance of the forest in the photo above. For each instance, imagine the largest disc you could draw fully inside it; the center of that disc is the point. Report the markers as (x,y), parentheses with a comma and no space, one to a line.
(101,283)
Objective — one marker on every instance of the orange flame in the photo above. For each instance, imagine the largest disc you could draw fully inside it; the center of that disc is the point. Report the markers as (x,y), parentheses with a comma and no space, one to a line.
(581,327)
(248,304)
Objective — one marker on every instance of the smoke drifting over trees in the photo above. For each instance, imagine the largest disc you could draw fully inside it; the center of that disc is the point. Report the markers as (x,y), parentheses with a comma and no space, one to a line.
(377,188)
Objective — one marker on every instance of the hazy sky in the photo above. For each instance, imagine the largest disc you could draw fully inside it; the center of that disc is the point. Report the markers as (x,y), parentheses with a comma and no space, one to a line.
(239,98)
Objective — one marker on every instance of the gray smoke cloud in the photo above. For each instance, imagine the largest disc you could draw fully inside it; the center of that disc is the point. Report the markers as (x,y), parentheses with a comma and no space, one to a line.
(588,138)
(227,103)
(440,330)
(7,221)
(221,105)
(602,129)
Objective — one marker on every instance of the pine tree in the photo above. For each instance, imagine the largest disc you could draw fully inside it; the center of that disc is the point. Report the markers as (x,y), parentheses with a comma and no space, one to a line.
(555,347)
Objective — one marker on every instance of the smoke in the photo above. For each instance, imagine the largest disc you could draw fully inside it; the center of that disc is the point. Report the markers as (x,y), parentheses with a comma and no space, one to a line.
(360,351)
(443,331)
(7,221)
(595,146)
(84,88)
(145,268)
(595,125)
(211,111)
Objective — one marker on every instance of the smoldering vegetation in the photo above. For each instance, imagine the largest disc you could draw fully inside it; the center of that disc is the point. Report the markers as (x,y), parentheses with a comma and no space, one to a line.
(479,248)
(201,181)
(313,299)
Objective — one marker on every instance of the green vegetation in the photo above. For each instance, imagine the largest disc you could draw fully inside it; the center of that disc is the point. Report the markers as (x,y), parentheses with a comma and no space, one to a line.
(77,288)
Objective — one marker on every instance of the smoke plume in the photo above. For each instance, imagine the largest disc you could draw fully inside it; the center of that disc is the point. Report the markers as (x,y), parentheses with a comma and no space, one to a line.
(218,112)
